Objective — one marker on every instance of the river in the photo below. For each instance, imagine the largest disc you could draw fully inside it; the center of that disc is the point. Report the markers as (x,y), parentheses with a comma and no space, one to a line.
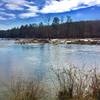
(36,59)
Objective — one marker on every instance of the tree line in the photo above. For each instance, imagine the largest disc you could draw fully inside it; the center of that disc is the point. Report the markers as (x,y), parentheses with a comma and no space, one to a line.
(57,29)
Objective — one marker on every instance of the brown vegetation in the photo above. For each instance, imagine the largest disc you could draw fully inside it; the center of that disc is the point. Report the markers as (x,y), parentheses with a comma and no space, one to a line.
(72,83)
(25,90)
(78,84)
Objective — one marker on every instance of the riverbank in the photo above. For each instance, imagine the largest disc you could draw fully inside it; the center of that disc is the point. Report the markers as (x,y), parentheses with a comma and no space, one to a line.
(88,41)
(68,84)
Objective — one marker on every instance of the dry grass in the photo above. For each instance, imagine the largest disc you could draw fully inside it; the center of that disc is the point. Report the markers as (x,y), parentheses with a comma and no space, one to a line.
(78,84)
(72,83)
(25,90)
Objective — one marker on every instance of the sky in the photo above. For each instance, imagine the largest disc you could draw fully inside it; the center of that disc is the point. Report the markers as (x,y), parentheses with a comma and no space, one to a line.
(14,13)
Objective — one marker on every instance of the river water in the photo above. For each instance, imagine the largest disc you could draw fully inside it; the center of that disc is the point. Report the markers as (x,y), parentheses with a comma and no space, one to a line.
(35,59)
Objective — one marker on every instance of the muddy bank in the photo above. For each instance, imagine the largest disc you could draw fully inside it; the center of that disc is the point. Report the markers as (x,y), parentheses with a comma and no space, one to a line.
(59,41)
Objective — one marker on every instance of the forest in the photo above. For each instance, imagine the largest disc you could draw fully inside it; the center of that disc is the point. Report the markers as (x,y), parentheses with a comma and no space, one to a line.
(56,29)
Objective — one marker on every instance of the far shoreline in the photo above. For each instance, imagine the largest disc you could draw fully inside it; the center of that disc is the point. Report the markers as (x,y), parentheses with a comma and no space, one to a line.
(84,41)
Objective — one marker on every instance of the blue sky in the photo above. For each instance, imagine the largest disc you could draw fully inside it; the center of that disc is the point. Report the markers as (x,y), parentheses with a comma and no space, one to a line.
(14,13)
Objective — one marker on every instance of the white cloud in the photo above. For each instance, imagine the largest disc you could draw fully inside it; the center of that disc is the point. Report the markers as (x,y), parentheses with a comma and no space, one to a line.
(32,8)
(19,2)
(1,3)
(2,18)
(16,4)
(11,16)
(54,6)
(7,16)
(12,6)
(28,15)
(2,9)
(61,6)
(31,11)
(28,9)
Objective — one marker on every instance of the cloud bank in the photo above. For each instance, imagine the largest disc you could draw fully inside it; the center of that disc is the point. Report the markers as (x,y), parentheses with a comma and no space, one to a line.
(27,9)
(54,6)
